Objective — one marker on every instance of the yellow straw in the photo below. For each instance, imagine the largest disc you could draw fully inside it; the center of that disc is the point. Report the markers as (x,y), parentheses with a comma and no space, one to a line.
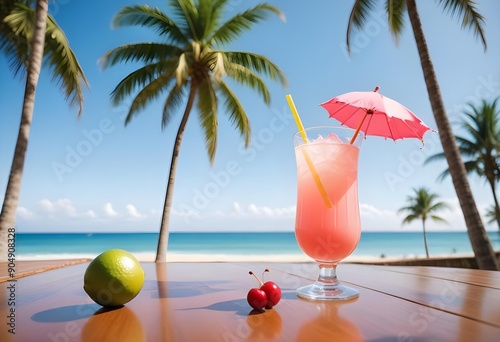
(309,162)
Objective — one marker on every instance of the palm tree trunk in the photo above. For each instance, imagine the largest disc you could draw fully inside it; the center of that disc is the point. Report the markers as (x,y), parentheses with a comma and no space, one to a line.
(425,240)
(161,250)
(481,245)
(9,206)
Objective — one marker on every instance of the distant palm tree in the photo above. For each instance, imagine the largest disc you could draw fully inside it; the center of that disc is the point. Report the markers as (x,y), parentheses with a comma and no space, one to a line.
(491,215)
(481,147)
(422,205)
(189,62)
(26,36)
(470,18)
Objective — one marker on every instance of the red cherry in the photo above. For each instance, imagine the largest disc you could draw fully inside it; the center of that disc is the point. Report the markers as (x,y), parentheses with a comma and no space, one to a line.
(270,289)
(257,299)
(273,293)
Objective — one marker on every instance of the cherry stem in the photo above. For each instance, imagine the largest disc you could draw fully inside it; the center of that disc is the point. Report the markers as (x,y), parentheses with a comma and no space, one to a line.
(260,281)
(266,270)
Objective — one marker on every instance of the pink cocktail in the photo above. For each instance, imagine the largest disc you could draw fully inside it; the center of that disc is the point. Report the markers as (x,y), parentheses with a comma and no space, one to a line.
(327,224)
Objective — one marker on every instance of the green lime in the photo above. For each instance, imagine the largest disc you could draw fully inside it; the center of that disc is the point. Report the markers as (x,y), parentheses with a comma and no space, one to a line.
(113,278)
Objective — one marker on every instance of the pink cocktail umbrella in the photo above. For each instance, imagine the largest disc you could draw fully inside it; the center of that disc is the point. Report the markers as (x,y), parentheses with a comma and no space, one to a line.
(375,114)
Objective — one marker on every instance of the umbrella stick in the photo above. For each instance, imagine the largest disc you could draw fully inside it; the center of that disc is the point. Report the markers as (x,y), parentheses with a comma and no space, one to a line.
(357,129)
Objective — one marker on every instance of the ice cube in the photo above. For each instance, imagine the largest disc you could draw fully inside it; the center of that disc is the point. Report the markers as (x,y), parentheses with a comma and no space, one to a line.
(332,137)
(318,138)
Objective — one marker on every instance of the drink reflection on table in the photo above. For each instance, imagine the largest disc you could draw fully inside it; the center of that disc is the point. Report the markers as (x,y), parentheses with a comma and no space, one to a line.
(329,325)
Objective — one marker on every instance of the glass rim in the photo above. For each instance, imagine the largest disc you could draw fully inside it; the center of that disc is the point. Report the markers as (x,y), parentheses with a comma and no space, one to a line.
(347,128)
(298,135)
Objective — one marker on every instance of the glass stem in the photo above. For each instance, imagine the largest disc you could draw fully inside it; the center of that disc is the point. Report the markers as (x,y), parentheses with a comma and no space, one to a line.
(328,274)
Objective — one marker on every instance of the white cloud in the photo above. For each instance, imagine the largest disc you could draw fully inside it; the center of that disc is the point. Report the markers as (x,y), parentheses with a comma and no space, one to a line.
(60,206)
(186,214)
(91,214)
(368,210)
(109,211)
(253,210)
(378,219)
(46,205)
(24,213)
(132,212)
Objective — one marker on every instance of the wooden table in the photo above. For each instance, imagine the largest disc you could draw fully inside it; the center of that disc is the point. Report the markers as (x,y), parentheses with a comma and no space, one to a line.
(207,302)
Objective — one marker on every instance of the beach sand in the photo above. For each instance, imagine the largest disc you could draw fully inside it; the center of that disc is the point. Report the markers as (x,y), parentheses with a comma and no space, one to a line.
(185,257)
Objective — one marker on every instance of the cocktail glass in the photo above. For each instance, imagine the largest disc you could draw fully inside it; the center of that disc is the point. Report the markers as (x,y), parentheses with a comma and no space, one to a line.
(327,225)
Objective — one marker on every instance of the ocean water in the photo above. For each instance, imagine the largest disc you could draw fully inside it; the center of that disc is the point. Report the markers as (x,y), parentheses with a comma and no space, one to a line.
(372,244)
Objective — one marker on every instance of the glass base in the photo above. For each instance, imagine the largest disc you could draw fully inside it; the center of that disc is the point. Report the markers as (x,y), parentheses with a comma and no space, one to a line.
(327,286)
(319,291)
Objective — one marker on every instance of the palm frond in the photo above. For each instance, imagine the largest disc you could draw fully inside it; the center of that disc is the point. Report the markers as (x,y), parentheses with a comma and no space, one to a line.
(20,20)
(139,52)
(215,10)
(207,110)
(58,56)
(491,214)
(439,156)
(16,29)
(181,70)
(237,114)
(257,63)
(467,147)
(438,206)
(472,166)
(247,77)
(207,19)
(66,68)
(438,219)
(410,218)
(188,17)
(481,145)
(201,17)
(243,22)
(395,14)
(142,77)
(147,94)
(483,124)
(404,209)
(475,124)
(143,15)
(435,157)
(467,12)
(442,176)
(358,17)
(173,101)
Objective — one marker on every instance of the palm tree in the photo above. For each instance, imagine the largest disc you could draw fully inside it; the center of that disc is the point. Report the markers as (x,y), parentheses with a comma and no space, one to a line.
(471,19)
(491,214)
(189,62)
(26,36)
(481,146)
(422,206)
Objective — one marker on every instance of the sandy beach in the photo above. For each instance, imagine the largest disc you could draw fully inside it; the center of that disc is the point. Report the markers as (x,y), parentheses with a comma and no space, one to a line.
(185,257)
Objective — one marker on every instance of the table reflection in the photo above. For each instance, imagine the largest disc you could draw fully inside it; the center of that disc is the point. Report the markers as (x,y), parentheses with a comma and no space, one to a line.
(264,326)
(121,325)
(329,325)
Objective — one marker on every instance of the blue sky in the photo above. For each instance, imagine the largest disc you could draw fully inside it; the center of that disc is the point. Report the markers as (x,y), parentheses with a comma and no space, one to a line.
(95,174)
